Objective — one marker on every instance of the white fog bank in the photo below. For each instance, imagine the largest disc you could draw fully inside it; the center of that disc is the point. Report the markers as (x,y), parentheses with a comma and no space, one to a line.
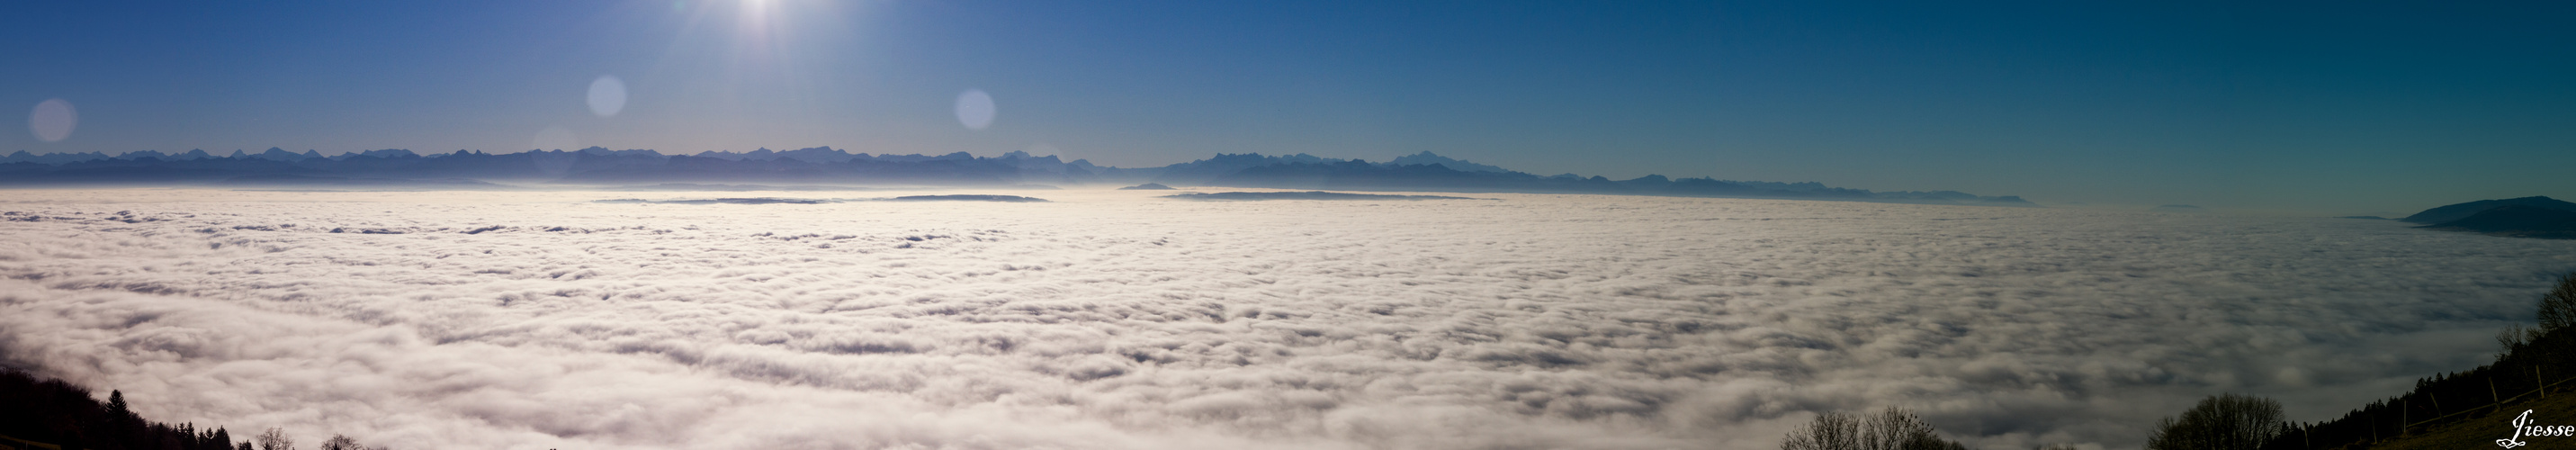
(1111,320)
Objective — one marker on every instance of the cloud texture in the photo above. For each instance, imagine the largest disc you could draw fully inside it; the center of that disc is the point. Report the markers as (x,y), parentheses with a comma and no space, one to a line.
(1110,319)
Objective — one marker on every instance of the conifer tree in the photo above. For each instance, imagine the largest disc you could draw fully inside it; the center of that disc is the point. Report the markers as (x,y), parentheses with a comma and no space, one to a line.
(116,404)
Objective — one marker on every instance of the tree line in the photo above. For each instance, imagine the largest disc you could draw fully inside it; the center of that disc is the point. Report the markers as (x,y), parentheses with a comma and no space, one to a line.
(53,412)
(2531,362)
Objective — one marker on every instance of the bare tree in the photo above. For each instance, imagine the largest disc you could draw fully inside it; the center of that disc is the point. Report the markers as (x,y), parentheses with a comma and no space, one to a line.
(1890,429)
(274,439)
(2558,307)
(1898,429)
(2221,422)
(2513,338)
(342,442)
(1830,431)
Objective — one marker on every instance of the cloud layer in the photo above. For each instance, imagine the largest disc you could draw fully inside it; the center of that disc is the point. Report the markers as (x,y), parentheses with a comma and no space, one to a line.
(1111,319)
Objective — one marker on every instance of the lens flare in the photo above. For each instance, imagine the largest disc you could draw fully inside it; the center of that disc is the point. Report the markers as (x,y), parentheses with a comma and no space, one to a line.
(975,109)
(607,96)
(53,120)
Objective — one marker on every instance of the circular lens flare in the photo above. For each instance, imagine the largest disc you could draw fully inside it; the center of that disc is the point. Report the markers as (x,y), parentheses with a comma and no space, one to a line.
(53,120)
(607,96)
(975,109)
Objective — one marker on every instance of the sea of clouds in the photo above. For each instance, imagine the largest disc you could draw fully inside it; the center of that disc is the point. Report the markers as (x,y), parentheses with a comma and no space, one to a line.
(1117,319)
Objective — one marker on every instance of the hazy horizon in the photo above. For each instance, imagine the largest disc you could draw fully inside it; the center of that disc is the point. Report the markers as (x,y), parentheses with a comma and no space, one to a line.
(2345,108)
(2393,209)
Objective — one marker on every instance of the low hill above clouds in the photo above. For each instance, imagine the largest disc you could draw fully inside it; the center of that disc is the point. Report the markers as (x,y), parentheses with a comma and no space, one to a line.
(2447,213)
(2517,221)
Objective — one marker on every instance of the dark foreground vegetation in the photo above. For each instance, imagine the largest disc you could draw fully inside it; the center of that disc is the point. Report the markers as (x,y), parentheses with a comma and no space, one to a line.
(2534,363)
(44,413)
(1891,429)
(2223,422)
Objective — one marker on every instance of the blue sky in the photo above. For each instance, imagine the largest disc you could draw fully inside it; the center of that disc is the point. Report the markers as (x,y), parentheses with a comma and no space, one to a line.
(2333,107)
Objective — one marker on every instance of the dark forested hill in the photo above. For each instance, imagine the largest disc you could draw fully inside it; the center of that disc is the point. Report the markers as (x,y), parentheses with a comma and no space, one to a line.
(53,412)
(2457,211)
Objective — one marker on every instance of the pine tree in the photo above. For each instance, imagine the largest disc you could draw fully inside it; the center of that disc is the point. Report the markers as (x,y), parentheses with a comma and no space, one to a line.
(116,404)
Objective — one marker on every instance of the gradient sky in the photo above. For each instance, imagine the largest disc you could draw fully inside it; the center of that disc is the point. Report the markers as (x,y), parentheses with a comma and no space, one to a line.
(2326,107)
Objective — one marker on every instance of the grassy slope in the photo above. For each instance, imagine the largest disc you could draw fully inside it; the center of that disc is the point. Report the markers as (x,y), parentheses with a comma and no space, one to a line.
(16,443)
(2482,431)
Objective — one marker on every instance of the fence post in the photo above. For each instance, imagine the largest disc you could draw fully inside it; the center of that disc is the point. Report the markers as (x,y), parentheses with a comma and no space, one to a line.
(2491,395)
(2537,383)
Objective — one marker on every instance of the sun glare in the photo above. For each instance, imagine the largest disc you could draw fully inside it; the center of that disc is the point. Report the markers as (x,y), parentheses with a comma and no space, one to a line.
(758,11)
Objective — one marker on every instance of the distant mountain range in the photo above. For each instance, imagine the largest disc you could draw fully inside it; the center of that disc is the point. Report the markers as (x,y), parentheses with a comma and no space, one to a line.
(2531,217)
(396,168)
